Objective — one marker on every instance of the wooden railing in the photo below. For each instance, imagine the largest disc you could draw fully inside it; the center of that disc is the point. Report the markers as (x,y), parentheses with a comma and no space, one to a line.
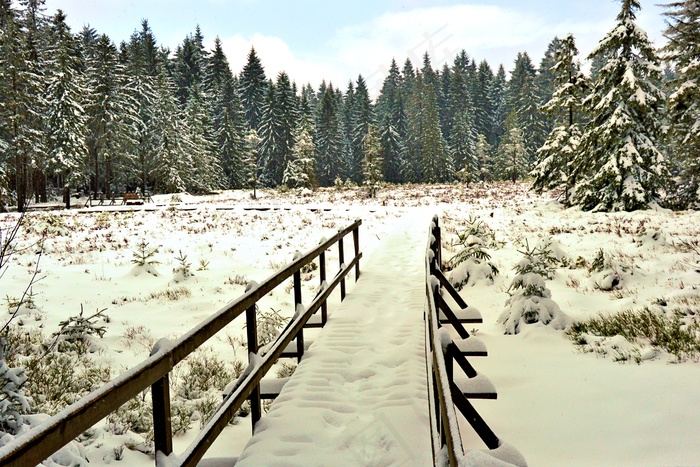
(443,351)
(42,441)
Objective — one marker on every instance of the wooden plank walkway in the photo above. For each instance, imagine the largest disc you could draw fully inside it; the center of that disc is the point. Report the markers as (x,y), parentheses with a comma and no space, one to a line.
(359,396)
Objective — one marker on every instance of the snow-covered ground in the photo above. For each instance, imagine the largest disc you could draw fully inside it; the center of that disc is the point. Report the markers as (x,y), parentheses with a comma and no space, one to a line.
(556,403)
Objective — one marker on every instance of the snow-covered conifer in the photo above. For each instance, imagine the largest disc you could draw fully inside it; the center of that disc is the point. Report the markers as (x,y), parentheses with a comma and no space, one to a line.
(553,168)
(511,161)
(683,50)
(372,162)
(619,166)
(300,171)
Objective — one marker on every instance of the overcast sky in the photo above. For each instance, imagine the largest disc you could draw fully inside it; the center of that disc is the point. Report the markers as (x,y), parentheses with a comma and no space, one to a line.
(337,40)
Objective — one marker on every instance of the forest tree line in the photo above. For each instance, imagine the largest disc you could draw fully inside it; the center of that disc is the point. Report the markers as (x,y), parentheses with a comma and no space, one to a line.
(78,112)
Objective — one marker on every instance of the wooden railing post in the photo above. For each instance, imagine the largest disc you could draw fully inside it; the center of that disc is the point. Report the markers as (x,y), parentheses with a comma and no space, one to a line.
(322,268)
(252,334)
(297,303)
(341,260)
(162,429)
(356,241)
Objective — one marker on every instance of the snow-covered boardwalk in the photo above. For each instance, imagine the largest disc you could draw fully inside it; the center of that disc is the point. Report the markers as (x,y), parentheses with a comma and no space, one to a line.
(359,396)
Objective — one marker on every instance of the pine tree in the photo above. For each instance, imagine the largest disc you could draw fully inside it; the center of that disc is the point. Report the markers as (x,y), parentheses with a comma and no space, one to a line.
(328,139)
(300,171)
(205,173)
(462,147)
(482,155)
(553,168)
(277,129)
(392,124)
(253,84)
(189,65)
(498,99)
(511,158)
(362,118)
(619,166)
(20,103)
(112,112)
(683,50)
(250,160)
(171,156)
(142,65)
(372,161)
(428,160)
(65,118)
(483,107)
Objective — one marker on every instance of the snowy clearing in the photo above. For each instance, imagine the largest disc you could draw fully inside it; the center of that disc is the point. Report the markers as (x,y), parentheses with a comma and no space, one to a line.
(557,402)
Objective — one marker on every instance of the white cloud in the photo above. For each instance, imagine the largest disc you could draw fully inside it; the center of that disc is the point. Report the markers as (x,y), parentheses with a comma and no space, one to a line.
(276,56)
(484,31)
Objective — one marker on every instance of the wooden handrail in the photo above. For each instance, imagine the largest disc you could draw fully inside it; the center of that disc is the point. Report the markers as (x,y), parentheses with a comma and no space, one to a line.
(34,446)
(444,433)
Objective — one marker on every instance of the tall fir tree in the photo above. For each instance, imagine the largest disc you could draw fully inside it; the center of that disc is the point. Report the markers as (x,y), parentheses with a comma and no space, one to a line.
(372,161)
(392,124)
(65,118)
(171,163)
(251,161)
(511,161)
(300,171)
(483,157)
(483,107)
(253,85)
(683,50)
(328,139)
(112,112)
(553,168)
(20,104)
(362,118)
(619,166)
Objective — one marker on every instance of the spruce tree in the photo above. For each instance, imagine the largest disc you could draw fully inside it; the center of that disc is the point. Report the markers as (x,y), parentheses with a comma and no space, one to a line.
(328,139)
(511,162)
(482,156)
(20,104)
(362,118)
(498,92)
(554,158)
(65,118)
(620,166)
(392,124)
(205,173)
(250,161)
(171,153)
(483,107)
(372,161)
(112,112)
(300,171)
(683,50)
(253,84)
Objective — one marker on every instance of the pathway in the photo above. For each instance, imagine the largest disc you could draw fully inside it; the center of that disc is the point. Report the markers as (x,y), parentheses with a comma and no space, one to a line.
(359,396)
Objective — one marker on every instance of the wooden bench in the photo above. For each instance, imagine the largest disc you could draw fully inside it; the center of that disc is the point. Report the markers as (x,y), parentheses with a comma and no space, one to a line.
(132,198)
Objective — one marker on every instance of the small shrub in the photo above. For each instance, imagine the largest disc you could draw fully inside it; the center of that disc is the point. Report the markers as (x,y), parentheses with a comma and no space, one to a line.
(184,267)
(173,294)
(269,325)
(530,300)
(286,370)
(144,255)
(204,371)
(669,333)
(77,332)
(203,264)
